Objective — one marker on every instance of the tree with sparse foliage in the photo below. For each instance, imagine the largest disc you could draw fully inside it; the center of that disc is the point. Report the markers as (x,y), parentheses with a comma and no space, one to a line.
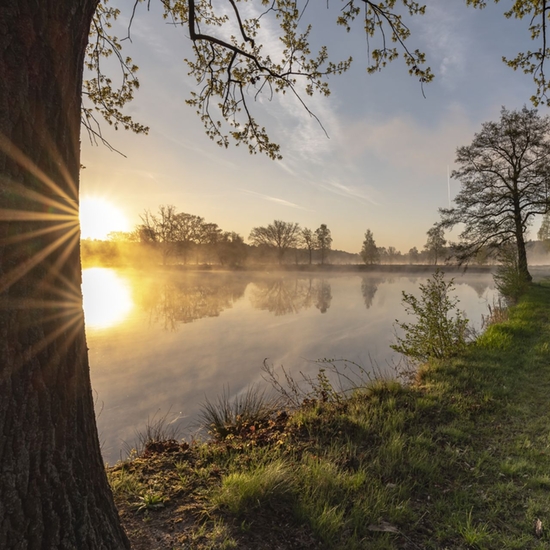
(370,252)
(435,245)
(505,177)
(60,497)
(413,255)
(278,235)
(307,240)
(323,241)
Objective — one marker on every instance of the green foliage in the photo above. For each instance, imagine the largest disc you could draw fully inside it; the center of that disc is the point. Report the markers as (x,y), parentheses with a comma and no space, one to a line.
(232,65)
(150,501)
(440,328)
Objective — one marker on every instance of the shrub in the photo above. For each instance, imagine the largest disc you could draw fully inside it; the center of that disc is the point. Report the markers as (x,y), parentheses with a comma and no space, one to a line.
(440,329)
(509,280)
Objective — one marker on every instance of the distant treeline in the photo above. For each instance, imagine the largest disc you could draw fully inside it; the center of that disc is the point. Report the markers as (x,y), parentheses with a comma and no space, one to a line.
(169,237)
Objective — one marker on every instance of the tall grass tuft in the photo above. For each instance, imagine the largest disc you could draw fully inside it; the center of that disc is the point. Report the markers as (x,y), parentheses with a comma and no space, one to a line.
(156,432)
(227,416)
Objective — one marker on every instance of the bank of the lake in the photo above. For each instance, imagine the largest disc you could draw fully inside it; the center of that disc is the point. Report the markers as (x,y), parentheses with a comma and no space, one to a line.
(458,459)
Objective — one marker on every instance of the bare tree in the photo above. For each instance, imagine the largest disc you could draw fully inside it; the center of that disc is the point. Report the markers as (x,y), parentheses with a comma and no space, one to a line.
(505,176)
(278,235)
(308,241)
(161,229)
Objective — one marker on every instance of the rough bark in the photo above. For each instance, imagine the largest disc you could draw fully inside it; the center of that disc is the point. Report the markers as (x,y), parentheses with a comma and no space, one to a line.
(53,488)
(522,252)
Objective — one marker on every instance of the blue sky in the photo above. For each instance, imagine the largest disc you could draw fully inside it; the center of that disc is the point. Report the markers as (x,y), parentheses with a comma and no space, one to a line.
(384,165)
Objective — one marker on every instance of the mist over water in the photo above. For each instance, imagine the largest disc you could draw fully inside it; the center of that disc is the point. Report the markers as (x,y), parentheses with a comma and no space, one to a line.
(188,336)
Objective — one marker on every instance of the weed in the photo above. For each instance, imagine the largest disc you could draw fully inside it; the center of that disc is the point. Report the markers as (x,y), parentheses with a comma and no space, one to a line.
(150,501)
(124,483)
(475,536)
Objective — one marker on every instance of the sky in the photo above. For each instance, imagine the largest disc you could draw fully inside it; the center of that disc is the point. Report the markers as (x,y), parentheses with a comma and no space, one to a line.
(385,161)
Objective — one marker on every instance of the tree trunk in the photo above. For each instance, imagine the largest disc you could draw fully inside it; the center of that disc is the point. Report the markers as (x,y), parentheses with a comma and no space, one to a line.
(520,240)
(53,487)
(522,256)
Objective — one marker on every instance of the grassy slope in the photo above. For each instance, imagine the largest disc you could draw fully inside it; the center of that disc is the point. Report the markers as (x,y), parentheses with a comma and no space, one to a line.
(460,459)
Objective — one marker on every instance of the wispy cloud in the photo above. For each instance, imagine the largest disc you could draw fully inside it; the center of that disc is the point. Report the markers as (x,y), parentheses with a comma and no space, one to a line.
(349,191)
(405,142)
(447,42)
(273,199)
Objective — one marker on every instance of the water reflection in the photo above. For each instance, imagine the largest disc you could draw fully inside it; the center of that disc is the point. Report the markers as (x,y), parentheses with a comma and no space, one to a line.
(369,286)
(173,301)
(190,335)
(107,297)
(284,295)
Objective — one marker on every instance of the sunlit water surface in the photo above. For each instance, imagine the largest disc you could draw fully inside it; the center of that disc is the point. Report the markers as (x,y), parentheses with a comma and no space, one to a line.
(163,342)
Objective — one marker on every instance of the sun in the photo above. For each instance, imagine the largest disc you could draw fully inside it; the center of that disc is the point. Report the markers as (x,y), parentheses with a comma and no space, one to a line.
(99,217)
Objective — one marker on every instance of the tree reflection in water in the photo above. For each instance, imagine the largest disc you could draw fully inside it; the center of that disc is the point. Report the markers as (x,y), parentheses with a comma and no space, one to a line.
(171,302)
(369,286)
(282,295)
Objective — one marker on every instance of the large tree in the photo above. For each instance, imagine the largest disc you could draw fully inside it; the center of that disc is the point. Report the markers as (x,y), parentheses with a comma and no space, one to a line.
(53,488)
(278,235)
(505,177)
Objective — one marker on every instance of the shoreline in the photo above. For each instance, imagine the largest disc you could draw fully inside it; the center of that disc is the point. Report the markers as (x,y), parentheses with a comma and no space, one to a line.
(457,459)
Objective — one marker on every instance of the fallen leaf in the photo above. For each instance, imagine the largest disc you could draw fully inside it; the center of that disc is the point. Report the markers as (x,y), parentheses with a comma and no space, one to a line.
(538,528)
(383,527)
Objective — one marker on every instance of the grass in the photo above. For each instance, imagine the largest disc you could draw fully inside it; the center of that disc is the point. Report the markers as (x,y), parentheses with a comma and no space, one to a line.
(459,459)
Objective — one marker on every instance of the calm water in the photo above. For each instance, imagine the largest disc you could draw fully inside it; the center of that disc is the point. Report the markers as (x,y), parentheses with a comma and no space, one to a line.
(162,342)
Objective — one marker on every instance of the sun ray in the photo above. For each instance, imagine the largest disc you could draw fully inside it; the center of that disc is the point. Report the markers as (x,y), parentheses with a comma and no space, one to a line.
(7,214)
(13,152)
(18,189)
(35,349)
(36,233)
(23,268)
(55,269)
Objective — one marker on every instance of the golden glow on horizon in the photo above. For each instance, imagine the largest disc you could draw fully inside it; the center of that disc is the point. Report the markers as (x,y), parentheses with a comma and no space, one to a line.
(99,217)
(107,298)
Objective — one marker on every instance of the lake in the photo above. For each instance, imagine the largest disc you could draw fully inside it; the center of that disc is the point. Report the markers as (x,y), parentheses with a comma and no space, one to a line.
(161,342)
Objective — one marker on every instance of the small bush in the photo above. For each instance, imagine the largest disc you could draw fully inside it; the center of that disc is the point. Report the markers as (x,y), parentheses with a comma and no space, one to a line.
(509,280)
(440,329)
